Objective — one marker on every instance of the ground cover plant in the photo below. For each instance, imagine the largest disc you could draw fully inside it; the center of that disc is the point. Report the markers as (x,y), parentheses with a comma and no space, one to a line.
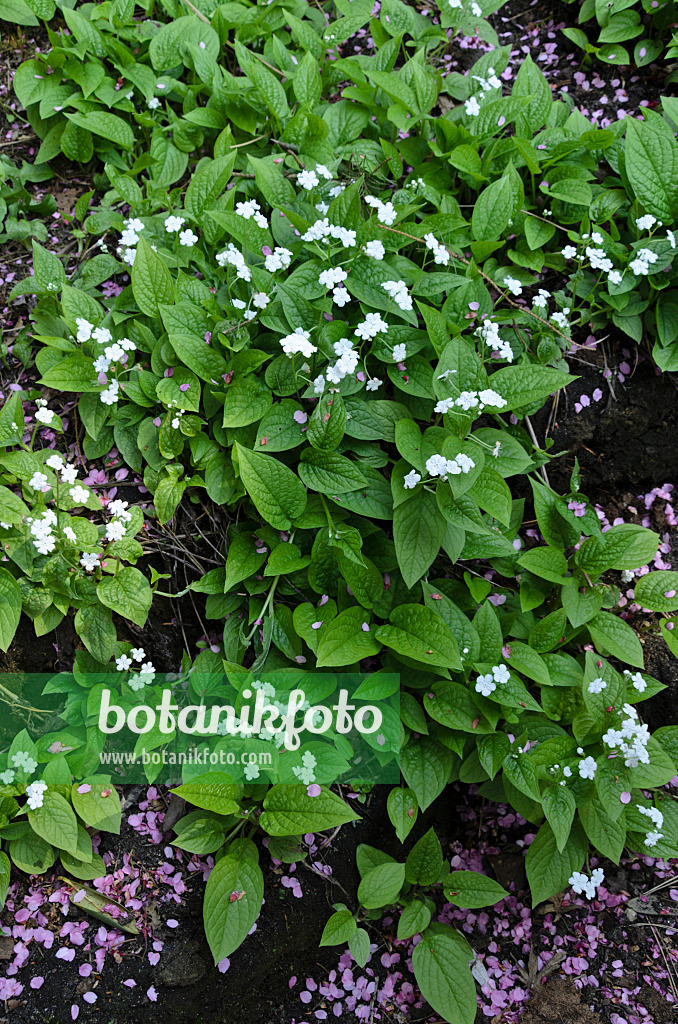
(323,285)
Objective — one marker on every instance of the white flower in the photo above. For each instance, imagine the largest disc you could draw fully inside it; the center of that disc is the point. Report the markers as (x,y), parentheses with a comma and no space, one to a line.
(174,224)
(307,180)
(501,673)
(373,384)
(371,326)
(129,237)
(569,252)
(233,258)
(38,482)
(398,292)
(22,759)
(35,793)
(85,329)
(646,222)
(331,277)
(147,669)
(411,480)
(386,214)
(485,685)
(119,508)
(587,886)
(514,286)
(614,277)
(114,353)
(89,561)
(123,663)
(476,10)
(138,653)
(440,254)
(472,107)
(399,353)
(541,298)
(260,300)
(436,465)
(567,772)
(54,462)
(671,238)
(490,397)
(587,768)
(115,530)
(79,494)
(69,475)
(279,259)
(7,777)
(597,686)
(467,400)
(298,342)
(251,771)
(187,238)
(44,415)
(111,394)
(153,103)
(652,838)
(136,682)
(653,813)
(599,260)
(638,682)
(341,297)
(375,250)
(248,209)
(319,385)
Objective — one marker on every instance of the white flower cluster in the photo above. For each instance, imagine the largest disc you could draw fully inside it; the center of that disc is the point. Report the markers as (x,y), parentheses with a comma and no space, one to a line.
(371,326)
(599,260)
(489,333)
(631,739)
(440,254)
(386,212)
(35,793)
(279,259)
(128,240)
(44,540)
(487,684)
(399,293)
(472,400)
(588,887)
(250,210)
(333,278)
(232,257)
(23,761)
(305,772)
(657,819)
(375,249)
(321,230)
(43,414)
(597,686)
(643,261)
(637,681)
(146,672)
(298,342)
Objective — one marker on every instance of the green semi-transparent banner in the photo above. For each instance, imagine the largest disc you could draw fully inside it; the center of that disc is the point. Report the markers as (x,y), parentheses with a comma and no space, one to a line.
(286,726)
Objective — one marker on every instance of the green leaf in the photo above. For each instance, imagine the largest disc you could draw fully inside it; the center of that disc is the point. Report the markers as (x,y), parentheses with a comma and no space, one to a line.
(128,593)
(651,164)
(243,560)
(329,473)
(233,898)
(72,373)
(425,860)
(492,211)
(340,926)
(101,812)
(94,626)
(381,886)
(548,868)
(607,835)
(403,810)
(530,83)
(207,184)
(441,966)
(418,632)
(612,635)
(345,642)
(522,385)
(5,871)
(491,492)
(651,591)
(418,532)
(426,766)
(276,491)
(213,791)
(559,807)
(151,281)
(108,126)
(520,771)
(290,811)
(471,890)
(414,919)
(266,84)
(55,822)
(545,562)
(10,608)
(49,271)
